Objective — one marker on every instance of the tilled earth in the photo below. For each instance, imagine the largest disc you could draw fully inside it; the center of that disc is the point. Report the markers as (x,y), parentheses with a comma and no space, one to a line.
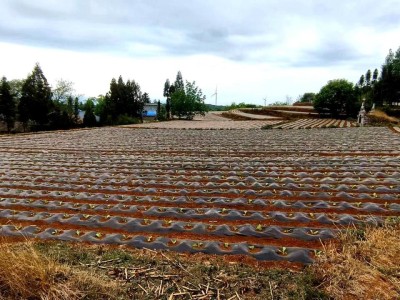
(270,195)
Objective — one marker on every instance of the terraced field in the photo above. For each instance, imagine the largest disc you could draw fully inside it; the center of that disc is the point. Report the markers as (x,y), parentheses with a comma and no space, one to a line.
(316,123)
(267,194)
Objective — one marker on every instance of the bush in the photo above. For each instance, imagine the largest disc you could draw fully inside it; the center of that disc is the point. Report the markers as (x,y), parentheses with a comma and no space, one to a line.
(125,120)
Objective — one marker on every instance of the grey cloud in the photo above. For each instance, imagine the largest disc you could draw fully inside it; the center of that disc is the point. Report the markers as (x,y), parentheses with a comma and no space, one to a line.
(230,29)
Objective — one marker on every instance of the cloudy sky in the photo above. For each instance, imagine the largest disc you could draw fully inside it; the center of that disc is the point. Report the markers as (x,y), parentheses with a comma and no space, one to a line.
(251,49)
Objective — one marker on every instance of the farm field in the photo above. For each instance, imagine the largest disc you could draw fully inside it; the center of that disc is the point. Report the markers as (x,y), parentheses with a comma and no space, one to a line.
(268,195)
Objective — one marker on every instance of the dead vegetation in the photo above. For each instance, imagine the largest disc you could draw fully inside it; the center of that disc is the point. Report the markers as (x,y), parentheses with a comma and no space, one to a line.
(363,265)
(27,274)
(378,117)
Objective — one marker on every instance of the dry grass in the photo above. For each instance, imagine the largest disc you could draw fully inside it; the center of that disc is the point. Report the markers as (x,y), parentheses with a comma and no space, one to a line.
(362,266)
(26,274)
(380,117)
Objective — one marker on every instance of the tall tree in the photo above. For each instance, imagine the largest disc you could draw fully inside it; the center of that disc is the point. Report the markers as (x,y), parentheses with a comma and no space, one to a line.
(188,102)
(361,82)
(375,76)
(7,104)
(368,78)
(35,103)
(168,89)
(179,84)
(16,87)
(89,119)
(123,99)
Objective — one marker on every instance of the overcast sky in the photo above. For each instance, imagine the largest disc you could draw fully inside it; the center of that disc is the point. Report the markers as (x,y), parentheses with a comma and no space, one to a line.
(251,49)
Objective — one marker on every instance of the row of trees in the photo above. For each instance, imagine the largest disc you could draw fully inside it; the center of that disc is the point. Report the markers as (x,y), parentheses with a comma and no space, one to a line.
(384,88)
(341,98)
(183,99)
(37,106)
(32,102)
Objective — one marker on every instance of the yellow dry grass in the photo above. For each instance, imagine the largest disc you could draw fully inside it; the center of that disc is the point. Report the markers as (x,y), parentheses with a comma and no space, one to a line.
(362,269)
(26,274)
(378,116)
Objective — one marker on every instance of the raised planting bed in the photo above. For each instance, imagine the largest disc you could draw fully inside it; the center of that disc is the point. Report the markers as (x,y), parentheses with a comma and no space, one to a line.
(269,195)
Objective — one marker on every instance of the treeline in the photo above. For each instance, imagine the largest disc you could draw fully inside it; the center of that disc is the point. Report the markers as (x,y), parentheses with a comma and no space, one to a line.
(32,105)
(341,98)
(381,88)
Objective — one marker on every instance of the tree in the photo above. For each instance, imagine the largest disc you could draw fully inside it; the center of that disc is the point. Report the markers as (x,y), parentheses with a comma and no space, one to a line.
(179,85)
(188,101)
(63,90)
(124,101)
(35,103)
(361,81)
(16,87)
(307,97)
(375,76)
(76,109)
(168,90)
(337,98)
(368,78)
(390,78)
(7,104)
(161,112)
(89,119)
(145,98)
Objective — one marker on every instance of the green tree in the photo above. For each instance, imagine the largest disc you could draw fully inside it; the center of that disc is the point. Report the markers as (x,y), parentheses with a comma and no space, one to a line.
(123,102)
(168,90)
(16,87)
(7,104)
(368,78)
(89,119)
(76,110)
(361,82)
(375,76)
(179,85)
(161,112)
(390,78)
(307,97)
(35,103)
(337,98)
(188,101)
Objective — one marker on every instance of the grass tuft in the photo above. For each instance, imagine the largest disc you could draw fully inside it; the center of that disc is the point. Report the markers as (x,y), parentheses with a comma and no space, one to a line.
(27,274)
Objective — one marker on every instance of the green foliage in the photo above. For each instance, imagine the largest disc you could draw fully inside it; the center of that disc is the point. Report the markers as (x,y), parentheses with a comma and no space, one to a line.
(161,112)
(125,120)
(123,99)
(188,101)
(338,99)
(241,105)
(384,89)
(307,97)
(35,103)
(89,119)
(7,104)
(279,103)
(16,87)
